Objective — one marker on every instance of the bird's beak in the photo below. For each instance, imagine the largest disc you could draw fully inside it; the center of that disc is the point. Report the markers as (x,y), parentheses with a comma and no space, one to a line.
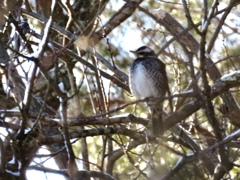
(134,52)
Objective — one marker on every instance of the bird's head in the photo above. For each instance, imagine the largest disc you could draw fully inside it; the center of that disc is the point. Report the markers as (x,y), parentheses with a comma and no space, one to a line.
(143,52)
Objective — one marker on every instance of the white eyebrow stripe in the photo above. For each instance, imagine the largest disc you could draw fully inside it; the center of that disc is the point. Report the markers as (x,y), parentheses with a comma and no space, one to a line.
(145,50)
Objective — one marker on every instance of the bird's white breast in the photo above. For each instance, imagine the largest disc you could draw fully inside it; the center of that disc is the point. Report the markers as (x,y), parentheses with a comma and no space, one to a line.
(141,84)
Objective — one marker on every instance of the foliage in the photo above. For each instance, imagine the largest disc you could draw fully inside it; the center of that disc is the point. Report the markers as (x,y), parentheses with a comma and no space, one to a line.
(64,75)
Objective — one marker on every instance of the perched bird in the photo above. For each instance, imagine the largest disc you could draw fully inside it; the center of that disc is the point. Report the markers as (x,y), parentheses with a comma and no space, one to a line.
(148,78)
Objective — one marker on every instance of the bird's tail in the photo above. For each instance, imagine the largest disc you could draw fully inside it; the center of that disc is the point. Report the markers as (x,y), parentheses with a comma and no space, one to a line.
(157,123)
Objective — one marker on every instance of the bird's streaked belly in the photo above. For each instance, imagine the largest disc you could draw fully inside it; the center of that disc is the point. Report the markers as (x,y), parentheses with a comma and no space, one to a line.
(142,85)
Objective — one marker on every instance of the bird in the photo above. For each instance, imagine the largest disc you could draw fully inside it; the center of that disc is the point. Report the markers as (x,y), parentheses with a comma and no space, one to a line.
(148,79)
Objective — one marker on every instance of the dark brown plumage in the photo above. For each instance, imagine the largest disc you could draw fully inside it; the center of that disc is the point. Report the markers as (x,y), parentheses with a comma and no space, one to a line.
(148,79)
